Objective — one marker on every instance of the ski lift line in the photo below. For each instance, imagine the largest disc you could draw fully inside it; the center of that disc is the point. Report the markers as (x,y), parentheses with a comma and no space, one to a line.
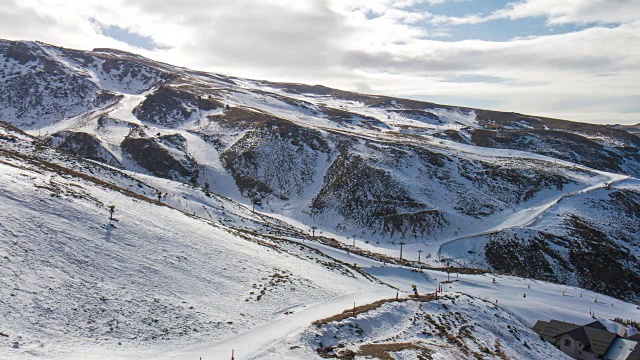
(538,216)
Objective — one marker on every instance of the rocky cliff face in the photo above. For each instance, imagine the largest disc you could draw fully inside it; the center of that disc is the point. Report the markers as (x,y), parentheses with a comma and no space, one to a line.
(170,107)
(84,145)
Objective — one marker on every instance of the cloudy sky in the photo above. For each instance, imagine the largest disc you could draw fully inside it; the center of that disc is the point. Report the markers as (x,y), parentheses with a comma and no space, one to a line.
(574,59)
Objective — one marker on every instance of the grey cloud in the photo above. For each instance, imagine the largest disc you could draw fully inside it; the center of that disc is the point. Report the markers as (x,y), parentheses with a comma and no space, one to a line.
(473,60)
(392,63)
(363,87)
(539,54)
(257,33)
(20,23)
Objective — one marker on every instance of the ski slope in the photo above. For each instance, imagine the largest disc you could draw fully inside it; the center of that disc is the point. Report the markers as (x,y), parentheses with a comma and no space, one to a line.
(456,248)
(255,341)
(156,279)
(81,288)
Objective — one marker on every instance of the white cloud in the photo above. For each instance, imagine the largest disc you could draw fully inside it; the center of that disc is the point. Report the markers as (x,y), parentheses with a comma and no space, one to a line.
(573,11)
(557,12)
(370,45)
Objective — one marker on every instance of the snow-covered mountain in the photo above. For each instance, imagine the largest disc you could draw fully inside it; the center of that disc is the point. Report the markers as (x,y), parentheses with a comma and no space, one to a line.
(185,157)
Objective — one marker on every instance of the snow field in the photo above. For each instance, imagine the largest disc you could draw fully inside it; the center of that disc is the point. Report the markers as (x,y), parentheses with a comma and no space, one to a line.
(158,280)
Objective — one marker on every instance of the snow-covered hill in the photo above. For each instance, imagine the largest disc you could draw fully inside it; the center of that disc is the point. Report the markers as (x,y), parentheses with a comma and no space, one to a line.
(589,240)
(218,183)
(452,327)
(155,277)
(188,275)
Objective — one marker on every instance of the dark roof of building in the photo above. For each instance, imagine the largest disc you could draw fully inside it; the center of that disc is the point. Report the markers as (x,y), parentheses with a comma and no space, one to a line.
(540,326)
(597,325)
(594,340)
(635,354)
(553,328)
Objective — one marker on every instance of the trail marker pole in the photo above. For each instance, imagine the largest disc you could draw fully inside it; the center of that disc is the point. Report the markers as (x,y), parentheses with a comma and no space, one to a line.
(401,243)
(232,353)
(354,309)
(419,253)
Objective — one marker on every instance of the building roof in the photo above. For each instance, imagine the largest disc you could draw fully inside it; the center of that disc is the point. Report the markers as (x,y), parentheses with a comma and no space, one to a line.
(540,326)
(623,349)
(553,328)
(597,325)
(635,354)
(594,340)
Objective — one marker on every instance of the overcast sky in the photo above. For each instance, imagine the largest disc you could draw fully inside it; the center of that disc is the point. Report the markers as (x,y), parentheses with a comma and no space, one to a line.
(573,59)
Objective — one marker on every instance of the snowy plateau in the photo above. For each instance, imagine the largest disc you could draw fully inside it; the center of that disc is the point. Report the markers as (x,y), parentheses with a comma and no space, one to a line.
(289,221)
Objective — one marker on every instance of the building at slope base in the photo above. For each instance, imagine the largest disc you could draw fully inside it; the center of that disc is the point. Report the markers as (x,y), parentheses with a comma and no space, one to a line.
(588,342)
